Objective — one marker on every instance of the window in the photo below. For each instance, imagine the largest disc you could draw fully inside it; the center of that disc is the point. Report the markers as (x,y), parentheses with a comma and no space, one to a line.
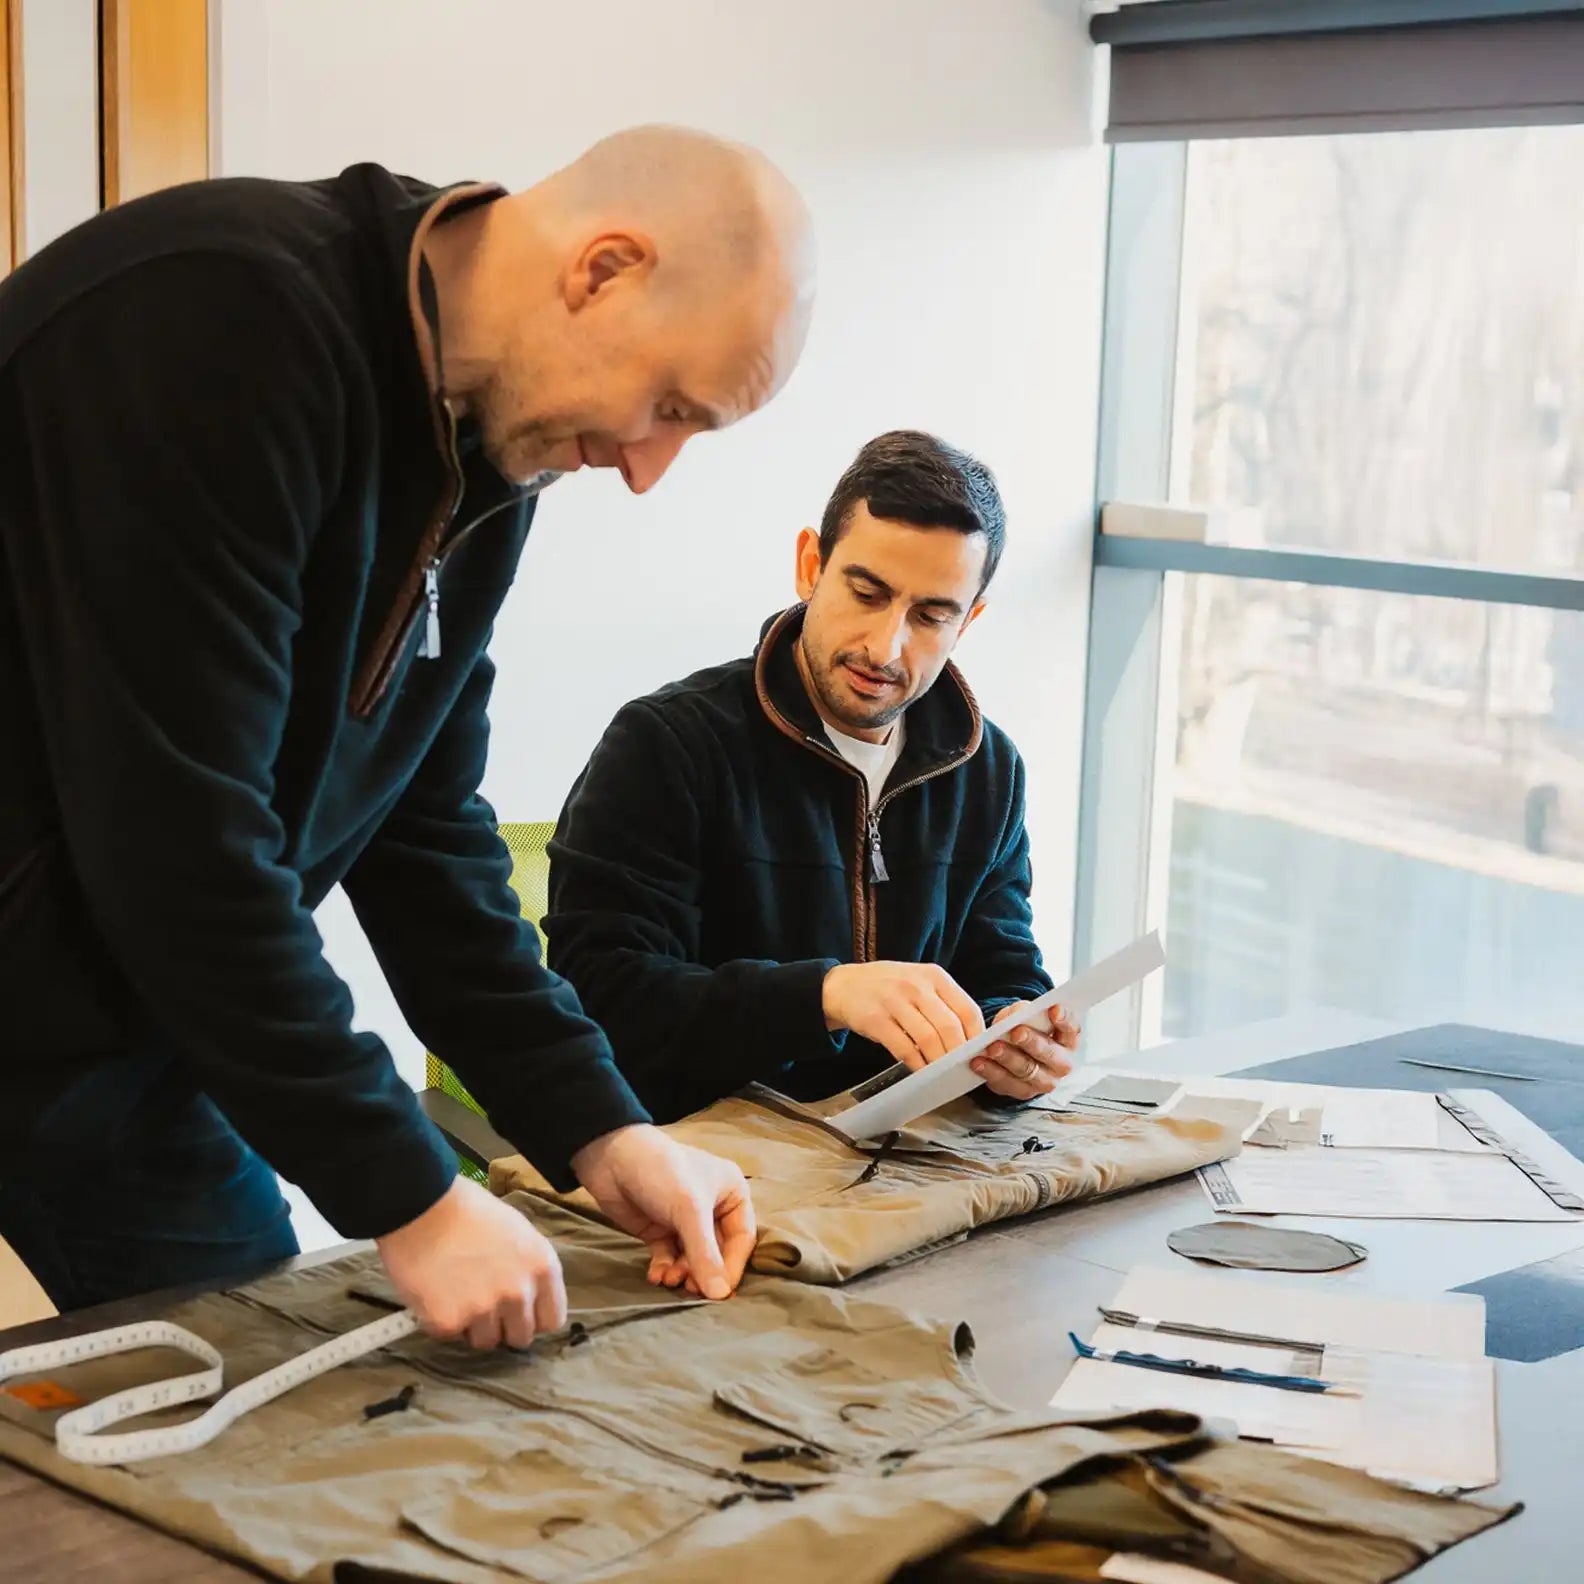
(1336,750)
(1376,799)
(1382,350)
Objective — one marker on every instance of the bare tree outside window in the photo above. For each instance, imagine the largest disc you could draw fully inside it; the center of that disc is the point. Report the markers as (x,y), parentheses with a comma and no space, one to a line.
(1382,355)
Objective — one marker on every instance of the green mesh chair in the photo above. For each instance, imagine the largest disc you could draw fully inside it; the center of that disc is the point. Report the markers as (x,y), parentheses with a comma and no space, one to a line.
(446,1099)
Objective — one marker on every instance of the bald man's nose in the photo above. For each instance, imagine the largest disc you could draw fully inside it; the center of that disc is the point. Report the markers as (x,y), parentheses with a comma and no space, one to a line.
(645,462)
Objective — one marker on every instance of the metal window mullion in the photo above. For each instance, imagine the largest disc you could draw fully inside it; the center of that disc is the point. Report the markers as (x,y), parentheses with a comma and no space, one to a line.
(1439,580)
(1124,808)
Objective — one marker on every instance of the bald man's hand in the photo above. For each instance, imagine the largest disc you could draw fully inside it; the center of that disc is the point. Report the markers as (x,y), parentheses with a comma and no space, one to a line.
(471,1267)
(690,1207)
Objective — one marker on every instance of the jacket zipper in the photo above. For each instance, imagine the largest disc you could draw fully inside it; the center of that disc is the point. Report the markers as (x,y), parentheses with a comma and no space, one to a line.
(420,588)
(429,645)
(421,577)
(426,604)
(877,868)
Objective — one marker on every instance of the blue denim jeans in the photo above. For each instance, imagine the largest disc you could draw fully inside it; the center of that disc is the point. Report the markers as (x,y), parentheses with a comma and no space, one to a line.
(134,1181)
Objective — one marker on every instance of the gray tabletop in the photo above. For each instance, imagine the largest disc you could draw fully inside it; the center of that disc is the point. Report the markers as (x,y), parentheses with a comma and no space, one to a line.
(1022,1287)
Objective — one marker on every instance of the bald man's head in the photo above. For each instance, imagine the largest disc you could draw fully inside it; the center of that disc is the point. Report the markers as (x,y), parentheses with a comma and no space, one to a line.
(659,285)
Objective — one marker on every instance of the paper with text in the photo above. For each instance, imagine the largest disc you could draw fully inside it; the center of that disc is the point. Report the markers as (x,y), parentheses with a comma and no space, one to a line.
(1413,1185)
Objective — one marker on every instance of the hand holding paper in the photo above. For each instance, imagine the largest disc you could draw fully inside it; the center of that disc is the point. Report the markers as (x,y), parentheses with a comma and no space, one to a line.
(893,1103)
(1027,1061)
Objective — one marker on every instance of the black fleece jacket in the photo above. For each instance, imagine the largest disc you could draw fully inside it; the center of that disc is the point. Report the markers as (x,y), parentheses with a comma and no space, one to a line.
(224,477)
(718,857)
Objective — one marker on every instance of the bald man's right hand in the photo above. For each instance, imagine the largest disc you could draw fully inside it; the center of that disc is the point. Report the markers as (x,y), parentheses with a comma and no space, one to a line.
(471,1266)
(917,1011)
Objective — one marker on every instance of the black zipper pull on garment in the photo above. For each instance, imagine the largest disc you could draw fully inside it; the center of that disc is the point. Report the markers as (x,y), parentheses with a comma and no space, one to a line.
(877,866)
(429,647)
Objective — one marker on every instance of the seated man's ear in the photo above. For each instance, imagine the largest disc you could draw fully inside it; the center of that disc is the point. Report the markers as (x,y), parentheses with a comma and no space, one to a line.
(807,570)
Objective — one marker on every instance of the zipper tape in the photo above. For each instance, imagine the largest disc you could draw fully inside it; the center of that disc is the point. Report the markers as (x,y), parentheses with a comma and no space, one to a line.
(913,1093)
(1558,1193)
(77,1434)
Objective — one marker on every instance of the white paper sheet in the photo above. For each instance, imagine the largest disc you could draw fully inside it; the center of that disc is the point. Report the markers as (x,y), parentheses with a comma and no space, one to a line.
(1425,1403)
(951,1076)
(1339,1118)
(1451,1325)
(1418,1185)
(1128,1567)
(1261,1413)
(1430,1421)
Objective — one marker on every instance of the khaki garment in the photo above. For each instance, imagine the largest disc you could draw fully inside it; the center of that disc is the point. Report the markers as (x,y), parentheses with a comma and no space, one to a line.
(1232,1509)
(791,1435)
(829,1210)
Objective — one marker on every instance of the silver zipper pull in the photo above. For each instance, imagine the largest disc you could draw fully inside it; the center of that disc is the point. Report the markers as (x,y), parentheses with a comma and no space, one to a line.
(877,867)
(429,646)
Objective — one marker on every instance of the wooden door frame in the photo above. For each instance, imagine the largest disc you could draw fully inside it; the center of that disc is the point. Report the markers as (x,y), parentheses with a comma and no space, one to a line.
(12,164)
(153,95)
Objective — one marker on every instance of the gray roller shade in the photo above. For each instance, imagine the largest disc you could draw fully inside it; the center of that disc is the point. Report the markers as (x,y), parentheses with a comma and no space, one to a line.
(1270,68)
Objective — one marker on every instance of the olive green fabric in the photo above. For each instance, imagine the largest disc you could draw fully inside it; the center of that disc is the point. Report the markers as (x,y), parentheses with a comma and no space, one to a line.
(1232,1509)
(664,1440)
(792,1435)
(829,1210)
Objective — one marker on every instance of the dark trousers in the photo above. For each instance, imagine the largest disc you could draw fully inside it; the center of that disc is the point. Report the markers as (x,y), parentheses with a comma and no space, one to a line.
(131,1181)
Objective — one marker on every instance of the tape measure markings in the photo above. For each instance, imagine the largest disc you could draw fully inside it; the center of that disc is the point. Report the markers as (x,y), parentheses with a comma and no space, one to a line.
(77,1434)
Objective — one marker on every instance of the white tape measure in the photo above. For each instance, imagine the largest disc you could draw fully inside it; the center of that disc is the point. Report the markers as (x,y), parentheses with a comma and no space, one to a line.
(77,1433)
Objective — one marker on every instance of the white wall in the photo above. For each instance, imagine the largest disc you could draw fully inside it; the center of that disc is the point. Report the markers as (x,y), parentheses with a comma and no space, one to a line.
(60,117)
(947,151)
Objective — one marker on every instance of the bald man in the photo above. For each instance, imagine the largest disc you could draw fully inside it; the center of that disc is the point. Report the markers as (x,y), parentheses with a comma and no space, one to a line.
(269,453)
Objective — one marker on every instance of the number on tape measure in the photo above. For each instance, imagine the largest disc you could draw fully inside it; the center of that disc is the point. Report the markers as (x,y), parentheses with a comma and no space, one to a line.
(77,1433)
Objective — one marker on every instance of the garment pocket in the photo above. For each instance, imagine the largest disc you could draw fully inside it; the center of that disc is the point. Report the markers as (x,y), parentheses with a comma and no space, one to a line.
(544,1520)
(824,1400)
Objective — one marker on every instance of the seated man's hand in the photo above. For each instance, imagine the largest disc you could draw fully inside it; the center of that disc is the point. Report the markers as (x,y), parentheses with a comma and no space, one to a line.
(692,1208)
(917,1011)
(472,1267)
(1030,1059)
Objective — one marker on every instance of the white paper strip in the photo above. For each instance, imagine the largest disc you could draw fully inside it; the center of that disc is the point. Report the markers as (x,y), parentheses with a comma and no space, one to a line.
(931,1087)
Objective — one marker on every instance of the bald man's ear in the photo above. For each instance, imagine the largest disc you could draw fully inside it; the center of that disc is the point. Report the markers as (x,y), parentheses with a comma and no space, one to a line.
(605,260)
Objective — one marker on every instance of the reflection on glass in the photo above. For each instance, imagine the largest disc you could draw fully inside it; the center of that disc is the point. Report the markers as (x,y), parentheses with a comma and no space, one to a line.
(1382,346)
(1378,803)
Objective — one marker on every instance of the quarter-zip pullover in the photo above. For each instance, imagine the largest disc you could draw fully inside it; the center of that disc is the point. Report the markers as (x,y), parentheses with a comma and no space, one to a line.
(718,857)
(248,571)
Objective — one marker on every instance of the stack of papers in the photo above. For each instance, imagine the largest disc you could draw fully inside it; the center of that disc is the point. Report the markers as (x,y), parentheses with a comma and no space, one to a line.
(1420,1403)
(1317,1150)
(1289,1113)
(1420,1185)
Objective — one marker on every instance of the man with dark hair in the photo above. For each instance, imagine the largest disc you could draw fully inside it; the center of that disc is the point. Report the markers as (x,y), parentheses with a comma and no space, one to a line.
(799,866)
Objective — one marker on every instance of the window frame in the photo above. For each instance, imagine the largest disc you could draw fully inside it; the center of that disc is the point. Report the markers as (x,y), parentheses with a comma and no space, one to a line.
(1130,707)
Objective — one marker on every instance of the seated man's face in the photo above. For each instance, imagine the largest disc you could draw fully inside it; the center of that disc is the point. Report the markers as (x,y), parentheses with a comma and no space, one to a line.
(883,615)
